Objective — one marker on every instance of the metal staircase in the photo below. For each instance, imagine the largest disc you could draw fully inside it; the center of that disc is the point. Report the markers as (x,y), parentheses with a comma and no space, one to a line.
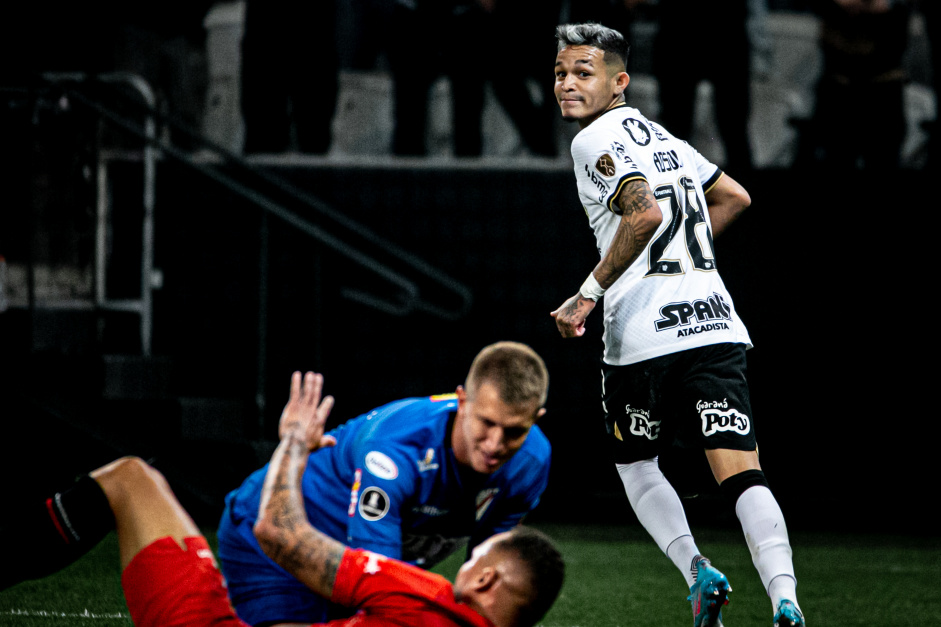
(126,395)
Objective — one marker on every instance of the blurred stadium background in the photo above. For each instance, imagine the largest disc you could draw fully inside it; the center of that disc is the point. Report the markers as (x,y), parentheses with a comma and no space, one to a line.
(159,286)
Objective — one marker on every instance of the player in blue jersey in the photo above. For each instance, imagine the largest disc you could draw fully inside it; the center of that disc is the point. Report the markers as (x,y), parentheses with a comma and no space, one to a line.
(415,480)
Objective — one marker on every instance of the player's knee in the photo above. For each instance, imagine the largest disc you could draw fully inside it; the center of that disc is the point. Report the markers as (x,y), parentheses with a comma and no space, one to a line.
(127,477)
(736,485)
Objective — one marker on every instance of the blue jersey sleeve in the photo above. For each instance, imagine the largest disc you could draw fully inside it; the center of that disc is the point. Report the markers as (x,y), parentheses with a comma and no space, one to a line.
(386,482)
(375,515)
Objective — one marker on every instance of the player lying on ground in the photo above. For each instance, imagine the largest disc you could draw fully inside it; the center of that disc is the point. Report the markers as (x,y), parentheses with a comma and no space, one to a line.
(170,577)
(415,479)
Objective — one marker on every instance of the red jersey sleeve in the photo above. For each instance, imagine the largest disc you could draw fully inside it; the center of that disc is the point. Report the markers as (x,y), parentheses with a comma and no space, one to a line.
(390,592)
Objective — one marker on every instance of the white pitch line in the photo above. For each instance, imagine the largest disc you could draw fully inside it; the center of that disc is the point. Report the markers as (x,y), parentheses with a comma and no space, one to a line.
(52,614)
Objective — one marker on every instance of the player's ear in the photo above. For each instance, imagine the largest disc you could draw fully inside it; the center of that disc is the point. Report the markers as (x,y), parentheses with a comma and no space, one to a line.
(485,579)
(540,413)
(461,394)
(621,81)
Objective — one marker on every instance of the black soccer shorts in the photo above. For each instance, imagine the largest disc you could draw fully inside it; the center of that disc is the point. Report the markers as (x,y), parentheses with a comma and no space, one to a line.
(696,398)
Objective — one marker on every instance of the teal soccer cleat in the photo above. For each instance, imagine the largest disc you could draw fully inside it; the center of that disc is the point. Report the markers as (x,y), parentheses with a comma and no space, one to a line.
(708,594)
(788,615)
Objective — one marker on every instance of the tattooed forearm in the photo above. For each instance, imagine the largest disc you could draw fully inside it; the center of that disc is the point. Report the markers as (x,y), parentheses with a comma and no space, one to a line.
(574,305)
(308,555)
(640,218)
(624,249)
(283,530)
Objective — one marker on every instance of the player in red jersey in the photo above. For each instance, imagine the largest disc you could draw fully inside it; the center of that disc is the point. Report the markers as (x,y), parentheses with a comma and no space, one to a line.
(170,577)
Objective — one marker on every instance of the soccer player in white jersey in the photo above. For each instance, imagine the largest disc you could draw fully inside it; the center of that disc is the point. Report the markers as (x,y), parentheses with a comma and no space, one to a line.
(674,347)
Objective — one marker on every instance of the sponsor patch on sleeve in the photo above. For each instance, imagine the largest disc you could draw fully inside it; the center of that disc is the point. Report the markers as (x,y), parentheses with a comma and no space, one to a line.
(605,165)
(381,465)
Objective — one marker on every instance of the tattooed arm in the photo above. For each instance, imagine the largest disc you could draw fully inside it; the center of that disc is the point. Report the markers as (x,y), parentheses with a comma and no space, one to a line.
(282,528)
(640,217)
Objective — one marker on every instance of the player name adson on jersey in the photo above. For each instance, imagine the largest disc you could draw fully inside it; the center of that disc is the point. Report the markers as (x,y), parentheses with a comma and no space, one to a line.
(667,161)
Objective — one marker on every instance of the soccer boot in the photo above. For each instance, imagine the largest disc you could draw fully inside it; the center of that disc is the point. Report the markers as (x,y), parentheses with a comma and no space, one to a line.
(788,615)
(708,594)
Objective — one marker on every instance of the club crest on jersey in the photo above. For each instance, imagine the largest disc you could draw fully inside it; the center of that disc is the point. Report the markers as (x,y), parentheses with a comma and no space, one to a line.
(372,563)
(484,499)
(605,165)
(712,311)
(716,416)
(374,504)
(428,463)
(637,130)
(381,465)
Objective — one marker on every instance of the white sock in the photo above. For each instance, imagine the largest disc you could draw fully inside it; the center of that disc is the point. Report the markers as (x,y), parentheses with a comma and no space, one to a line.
(766,536)
(660,511)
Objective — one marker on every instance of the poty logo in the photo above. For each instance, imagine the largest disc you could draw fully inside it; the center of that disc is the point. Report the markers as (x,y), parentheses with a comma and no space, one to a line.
(641,424)
(716,418)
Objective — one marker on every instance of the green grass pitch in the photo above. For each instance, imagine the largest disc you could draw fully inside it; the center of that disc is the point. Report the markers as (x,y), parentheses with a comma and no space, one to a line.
(616,577)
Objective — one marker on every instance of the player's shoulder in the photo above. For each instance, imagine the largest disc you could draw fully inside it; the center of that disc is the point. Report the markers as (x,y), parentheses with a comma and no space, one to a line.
(410,422)
(394,577)
(619,138)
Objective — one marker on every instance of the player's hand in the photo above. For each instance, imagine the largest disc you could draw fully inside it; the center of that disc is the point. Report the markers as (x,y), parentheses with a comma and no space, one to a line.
(305,414)
(570,317)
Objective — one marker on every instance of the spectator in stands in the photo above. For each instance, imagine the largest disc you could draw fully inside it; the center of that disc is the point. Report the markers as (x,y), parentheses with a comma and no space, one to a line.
(931,11)
(431,38)
(526,22)
(617,14)
(859,118)
(689,49)
(168,49)
(290,75)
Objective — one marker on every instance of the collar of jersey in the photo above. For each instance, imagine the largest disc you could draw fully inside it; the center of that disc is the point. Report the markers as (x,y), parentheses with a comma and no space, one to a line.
(623,105)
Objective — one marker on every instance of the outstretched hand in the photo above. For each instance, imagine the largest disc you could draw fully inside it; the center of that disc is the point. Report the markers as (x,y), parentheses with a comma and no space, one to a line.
(305,414)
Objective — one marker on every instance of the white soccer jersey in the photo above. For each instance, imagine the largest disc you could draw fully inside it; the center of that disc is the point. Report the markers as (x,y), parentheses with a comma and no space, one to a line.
(671,298)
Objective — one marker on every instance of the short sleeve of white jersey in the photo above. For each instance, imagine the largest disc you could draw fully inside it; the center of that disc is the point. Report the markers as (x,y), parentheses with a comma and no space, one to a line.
(622,146)
(677,268)
(709,173)
(604,165)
